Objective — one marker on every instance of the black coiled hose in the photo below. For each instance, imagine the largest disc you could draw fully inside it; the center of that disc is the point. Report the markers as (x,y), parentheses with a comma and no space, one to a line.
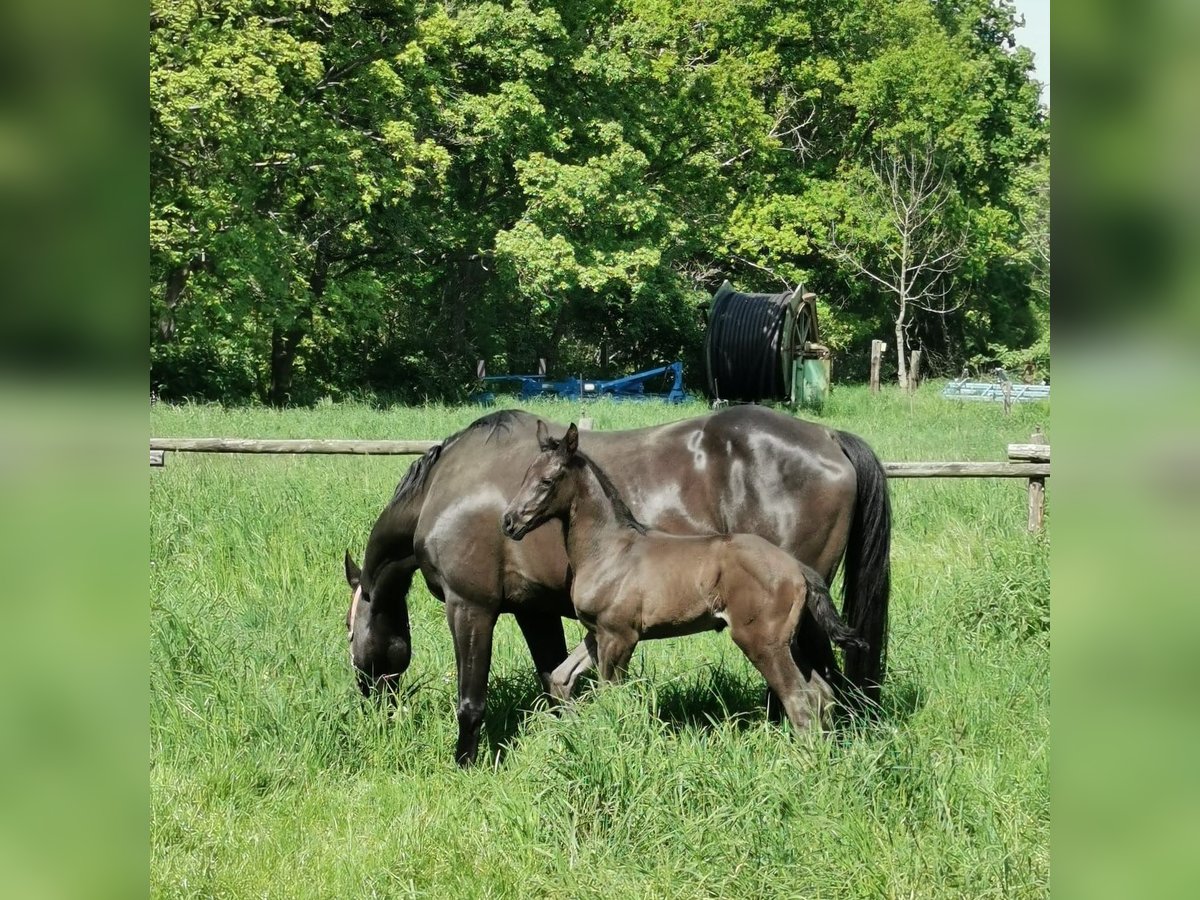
(742,346)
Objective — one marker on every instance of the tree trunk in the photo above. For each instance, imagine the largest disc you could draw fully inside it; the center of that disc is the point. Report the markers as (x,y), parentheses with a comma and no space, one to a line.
(556,335)
(464,279)
(283,361)
(177,280)
(901,363)
(285,341)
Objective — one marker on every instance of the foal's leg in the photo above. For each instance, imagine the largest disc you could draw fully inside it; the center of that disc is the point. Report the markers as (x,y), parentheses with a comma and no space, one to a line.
(614,648)
(813,653)
(547,643)
(582,658)
(801,698)
(471,626)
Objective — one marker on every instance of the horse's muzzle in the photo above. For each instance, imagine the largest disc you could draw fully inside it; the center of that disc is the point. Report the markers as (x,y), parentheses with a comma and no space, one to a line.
(380,687)
(511,529)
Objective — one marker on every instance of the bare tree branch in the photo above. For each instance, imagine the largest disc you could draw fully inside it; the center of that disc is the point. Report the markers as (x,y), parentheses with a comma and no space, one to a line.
(786,284)
(793,133)
(921,245)
(789,130)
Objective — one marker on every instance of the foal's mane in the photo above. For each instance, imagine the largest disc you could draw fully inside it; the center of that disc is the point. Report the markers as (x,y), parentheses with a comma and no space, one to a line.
(624,514)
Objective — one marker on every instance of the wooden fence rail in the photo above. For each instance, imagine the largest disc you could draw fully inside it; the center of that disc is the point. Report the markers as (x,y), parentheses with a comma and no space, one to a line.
(256,445)
(1029,461)
(1030,467)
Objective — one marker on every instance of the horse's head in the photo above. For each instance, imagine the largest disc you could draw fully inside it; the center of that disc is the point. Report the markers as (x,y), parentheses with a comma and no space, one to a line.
(542,496)
(377,624)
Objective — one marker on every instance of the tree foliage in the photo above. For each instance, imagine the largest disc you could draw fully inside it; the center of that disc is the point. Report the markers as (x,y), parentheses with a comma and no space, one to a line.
(367,195)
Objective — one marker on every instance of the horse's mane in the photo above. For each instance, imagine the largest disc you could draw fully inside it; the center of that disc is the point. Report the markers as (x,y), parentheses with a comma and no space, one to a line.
(500,420)
(418,473)
(624,514)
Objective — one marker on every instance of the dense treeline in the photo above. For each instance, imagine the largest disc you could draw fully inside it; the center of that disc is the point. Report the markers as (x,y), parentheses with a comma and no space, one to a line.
(368,196)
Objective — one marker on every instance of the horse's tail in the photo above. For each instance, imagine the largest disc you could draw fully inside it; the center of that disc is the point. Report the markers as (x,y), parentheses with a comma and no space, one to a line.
(868,579)
(826,613)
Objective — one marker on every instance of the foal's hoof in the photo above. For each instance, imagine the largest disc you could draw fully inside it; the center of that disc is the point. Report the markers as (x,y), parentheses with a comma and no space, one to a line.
(809,730)
(559,693)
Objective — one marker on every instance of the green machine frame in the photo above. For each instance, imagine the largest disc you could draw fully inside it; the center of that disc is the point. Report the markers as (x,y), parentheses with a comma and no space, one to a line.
(805,361)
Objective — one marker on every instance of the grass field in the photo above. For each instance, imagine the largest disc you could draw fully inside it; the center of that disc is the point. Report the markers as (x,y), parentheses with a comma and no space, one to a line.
(271,778)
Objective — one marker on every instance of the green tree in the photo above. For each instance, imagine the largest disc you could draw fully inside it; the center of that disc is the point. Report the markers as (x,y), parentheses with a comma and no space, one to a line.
(371,194)
(285,153)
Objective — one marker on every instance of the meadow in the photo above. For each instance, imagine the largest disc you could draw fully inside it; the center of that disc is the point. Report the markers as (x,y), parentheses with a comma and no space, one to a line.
(270,777)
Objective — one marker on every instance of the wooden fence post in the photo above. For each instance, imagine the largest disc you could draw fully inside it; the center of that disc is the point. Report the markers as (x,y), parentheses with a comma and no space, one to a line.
(1037,492)
(877,348)
(914,370)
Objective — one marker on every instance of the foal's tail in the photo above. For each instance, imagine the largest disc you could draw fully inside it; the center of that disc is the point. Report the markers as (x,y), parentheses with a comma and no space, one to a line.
(868,581)
(826,613)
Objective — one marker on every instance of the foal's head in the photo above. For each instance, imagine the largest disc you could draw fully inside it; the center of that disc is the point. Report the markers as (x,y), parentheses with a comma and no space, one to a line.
(543,494)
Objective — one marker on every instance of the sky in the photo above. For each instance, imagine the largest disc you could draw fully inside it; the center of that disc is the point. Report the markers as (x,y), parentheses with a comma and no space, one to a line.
(1036,36)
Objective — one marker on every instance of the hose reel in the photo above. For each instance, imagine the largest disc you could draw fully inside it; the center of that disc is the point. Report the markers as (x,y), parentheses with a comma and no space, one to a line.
(765,347)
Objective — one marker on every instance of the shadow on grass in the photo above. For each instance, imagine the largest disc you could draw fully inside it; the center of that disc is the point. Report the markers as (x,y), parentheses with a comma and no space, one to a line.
(902,698)
(712,698)
(718,696)
(512,699)
(704,701)
(697,701)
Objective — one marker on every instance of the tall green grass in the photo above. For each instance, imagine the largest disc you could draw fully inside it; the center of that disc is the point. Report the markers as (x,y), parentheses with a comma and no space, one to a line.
(270,777)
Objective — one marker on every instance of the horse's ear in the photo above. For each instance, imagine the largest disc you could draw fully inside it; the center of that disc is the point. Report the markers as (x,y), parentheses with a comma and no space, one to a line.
(353,572)
(571,441)
(545,442)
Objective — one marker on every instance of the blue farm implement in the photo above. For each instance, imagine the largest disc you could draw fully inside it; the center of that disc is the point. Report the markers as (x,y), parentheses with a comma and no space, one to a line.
(998,391)
(629,387)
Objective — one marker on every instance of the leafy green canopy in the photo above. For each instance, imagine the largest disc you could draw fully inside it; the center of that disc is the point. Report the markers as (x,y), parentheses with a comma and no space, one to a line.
(351,197)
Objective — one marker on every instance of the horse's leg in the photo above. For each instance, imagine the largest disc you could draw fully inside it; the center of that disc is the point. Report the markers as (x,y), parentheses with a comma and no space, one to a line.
(471,626)
(800,697)
(767,642)
(812,652)
(822,696)
(614,648)
(582,658)
(546,641)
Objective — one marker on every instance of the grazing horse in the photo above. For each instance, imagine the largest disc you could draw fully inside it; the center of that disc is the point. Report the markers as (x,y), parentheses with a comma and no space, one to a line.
(630,583)
(818,493)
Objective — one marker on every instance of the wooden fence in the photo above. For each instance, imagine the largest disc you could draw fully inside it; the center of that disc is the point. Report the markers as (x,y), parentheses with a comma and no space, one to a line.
(1029,461)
